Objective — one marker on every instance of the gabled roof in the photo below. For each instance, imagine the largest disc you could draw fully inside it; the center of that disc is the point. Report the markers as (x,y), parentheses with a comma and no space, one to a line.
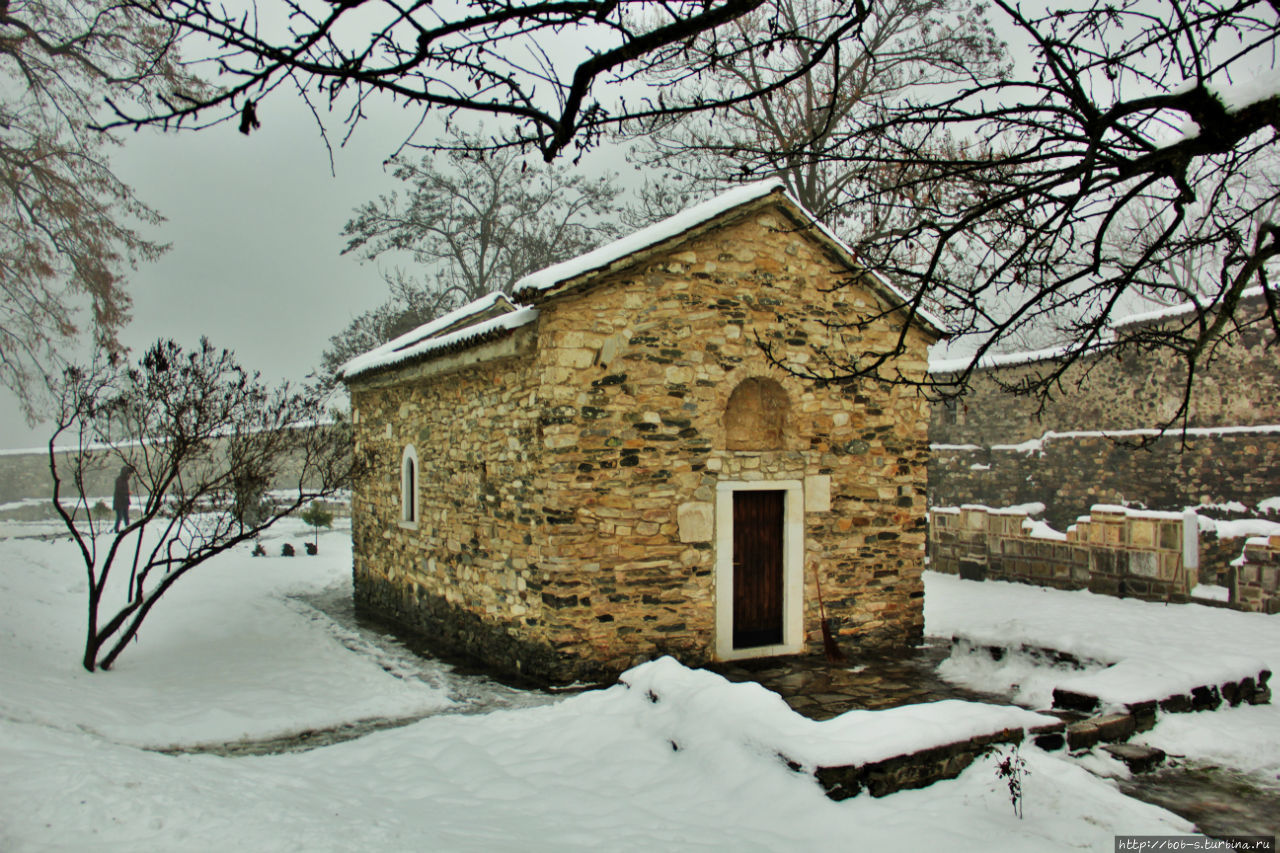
(486,317)
(494,315)
(540,285)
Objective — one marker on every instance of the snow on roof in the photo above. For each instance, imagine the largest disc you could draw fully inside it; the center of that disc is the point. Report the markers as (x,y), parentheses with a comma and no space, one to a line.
(453,329)
(597,259)
(956,364)
(442,333)
(1181,310)
(673,226)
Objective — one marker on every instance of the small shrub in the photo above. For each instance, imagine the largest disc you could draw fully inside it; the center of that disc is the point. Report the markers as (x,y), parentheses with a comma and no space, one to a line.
(286,550)
(1011,767)
(258,550)
(316,516)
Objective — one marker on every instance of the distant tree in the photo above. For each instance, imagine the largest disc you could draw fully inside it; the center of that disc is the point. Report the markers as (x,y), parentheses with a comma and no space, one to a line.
(1159,113)
(67,223)
(1192,274)
(409,305)
(475,223)
(792,132)
(316,516)
(200,433)
(1002,196)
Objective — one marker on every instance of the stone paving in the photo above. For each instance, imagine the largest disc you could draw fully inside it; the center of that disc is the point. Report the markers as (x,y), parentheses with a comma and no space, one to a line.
(821,690)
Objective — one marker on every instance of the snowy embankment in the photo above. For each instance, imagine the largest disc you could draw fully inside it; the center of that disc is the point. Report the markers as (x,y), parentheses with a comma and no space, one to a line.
(1158,650)
(226,655)
(235,653)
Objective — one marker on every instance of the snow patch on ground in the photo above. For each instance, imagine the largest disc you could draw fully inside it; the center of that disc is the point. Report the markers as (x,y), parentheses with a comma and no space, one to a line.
(226,655)
(1211,592)
(1158,649)
(1164,648)
(236,652)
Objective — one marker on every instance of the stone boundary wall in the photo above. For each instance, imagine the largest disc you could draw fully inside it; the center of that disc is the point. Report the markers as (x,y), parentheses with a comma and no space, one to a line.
(1114,552)
(991,446)
(1122,388)
(1073,471)
(25,474)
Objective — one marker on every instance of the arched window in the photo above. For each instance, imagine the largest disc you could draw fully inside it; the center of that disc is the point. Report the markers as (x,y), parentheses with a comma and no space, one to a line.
(756,415)
(409,486)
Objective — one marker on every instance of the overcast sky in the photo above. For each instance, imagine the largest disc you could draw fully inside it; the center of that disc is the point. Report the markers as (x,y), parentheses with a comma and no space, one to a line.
(254,223)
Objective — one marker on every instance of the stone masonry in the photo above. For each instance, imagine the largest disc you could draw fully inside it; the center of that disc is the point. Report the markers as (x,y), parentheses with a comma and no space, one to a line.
(574,471)
(1255,580)
(1111,551)
(995,448)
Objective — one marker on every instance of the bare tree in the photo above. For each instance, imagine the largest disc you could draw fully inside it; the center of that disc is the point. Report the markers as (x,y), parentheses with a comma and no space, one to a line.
(1001,195)
(793,131)
(1190,275)
(67,222)
(202,441)
(475,223)
(557,73)
(1161,107)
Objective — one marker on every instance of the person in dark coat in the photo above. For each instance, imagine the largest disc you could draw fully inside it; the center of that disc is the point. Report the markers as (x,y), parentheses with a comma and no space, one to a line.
(120,501)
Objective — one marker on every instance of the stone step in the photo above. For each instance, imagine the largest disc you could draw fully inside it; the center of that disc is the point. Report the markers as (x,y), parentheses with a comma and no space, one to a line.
(1139,759)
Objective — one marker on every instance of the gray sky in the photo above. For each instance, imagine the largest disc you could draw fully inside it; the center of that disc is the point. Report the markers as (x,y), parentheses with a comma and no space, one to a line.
(254,224)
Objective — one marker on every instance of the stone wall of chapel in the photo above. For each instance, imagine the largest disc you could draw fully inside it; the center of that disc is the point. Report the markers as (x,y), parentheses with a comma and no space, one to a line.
(636,377)
(466,574)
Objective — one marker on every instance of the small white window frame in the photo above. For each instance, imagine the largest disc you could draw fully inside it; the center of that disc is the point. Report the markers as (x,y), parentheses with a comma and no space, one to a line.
(410,480)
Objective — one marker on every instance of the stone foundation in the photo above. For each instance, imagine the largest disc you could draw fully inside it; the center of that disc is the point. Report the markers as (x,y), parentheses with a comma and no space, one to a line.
(1255,583)
(457,631)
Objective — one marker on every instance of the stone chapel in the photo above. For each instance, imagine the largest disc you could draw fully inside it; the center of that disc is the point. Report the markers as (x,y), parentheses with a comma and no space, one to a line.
(624,460)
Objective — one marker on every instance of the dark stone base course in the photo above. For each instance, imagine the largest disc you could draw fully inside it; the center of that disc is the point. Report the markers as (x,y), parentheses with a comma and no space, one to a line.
(1145,589)
(461,632)
(916,770)
(1206,697)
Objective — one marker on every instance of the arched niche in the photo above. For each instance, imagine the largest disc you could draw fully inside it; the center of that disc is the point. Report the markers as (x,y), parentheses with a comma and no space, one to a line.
(756,415)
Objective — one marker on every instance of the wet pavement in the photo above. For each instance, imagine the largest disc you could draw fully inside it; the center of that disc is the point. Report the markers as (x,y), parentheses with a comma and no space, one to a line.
(1219,801)
(819,689)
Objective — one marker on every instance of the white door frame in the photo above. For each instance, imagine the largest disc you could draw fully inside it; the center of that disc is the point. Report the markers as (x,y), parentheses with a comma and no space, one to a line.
(792,568)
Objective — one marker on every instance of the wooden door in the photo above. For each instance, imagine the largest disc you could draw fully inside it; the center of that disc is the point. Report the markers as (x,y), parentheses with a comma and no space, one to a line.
(757,568)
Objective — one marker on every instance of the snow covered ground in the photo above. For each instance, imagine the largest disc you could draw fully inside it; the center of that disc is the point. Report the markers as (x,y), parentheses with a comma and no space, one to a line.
(1157,648)
(237,652)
